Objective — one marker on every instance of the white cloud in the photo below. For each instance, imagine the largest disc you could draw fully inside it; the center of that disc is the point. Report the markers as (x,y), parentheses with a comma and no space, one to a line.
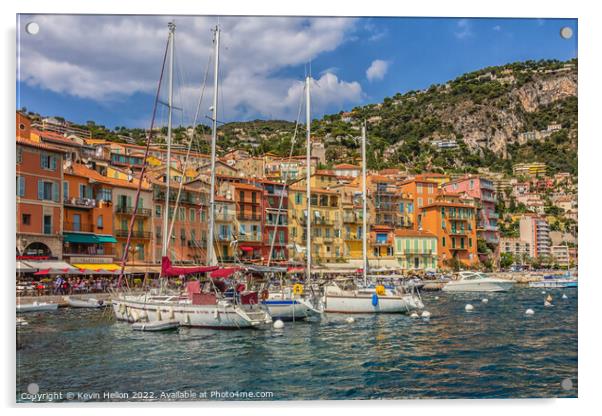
(463,29)
(377,70)
(109,58)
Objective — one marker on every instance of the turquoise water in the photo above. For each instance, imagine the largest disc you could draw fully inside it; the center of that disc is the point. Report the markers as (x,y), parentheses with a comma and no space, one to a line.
(493,352)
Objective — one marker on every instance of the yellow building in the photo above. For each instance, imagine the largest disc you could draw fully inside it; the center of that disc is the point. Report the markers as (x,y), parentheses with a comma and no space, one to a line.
(530,169)
(327,244)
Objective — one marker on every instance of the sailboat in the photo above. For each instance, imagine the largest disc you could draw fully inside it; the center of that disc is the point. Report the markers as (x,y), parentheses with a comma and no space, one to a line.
(298,302)
(214,304)
(367,297)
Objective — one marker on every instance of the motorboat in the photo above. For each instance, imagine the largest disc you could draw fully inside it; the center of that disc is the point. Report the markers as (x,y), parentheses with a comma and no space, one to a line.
(472,281)
(36,307)
(556,281)
(91,303)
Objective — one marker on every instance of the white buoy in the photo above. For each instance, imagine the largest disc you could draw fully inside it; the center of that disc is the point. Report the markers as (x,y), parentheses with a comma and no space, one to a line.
(529,312)
(426,314)
(278,324)
(564,296)
(350,320)
(485,300)
(543,292)
(414,315)
(436,297)
(468,307)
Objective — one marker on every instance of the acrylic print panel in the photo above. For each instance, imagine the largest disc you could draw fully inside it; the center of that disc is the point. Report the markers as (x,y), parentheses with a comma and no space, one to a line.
(166,250)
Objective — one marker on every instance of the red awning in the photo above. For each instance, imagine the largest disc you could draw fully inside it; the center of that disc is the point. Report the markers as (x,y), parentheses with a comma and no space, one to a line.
(246,248)
(295,269)
(168,270)
(42,272)
(225,272)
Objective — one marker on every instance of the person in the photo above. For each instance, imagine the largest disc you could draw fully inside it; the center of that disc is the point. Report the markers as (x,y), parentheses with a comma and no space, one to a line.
(58,285)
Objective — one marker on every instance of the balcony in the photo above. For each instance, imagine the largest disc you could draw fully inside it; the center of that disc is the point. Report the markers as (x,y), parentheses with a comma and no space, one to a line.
(224,217)
(250,237)
(352,237)
(248,217)
(417,252)
(135,234)
(142,212)
(78,227)
(80,202)
(351,219)
(221,237)
(458,232)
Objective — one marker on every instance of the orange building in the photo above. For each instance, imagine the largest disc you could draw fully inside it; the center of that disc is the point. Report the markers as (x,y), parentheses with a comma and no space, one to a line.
(250,217)
(454,224)
(23,126)
(423,192)
(88,217)
(39,174)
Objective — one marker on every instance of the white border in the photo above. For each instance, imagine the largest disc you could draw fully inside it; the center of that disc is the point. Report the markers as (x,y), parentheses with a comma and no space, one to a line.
(590,129)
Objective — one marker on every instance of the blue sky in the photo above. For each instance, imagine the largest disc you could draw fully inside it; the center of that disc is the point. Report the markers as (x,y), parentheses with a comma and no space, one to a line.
(105,68)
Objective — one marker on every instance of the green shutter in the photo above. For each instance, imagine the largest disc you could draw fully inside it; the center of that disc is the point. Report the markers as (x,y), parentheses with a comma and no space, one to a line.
(55,192)
(40,189)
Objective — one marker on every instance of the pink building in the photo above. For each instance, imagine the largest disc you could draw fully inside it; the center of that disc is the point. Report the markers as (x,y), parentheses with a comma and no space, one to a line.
(483,191)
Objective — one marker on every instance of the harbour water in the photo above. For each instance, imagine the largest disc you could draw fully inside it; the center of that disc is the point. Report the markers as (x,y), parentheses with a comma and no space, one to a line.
(495,351)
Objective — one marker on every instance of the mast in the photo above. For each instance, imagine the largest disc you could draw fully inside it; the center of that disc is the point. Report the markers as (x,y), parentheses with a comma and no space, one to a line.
(308,174)
(210,247)
(172,36)
(364,209)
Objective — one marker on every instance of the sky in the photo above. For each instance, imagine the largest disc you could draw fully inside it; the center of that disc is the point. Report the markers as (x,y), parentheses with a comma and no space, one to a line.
(106,68)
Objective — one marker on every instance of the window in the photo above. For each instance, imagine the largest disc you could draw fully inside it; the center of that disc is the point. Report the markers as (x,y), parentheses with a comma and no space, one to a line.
(48,191)
(241,196)
(158,210)
(48,161)
(254,197)
(19,154)
(192,215)
(65,190)
(182,234)
(419,188)
(47,224)
(443,241)
(401,207)
(419,202)
(298,197)
(26,219)
(470,242)
(77,226)
(140,251)
(20,186)
(99,222)
(105,194)
(410,207)
(181,213)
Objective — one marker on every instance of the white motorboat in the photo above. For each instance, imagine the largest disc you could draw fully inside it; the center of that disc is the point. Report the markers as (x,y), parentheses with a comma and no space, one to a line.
(469,281)
(86,303)
(377,299)
(36,307)
(290,304)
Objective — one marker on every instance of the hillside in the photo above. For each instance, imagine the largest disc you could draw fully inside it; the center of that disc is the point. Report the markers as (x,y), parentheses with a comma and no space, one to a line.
(494,117)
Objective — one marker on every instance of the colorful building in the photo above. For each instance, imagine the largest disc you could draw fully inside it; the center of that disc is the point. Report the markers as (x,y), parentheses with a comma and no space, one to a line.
(416,250)
(454,225)
(275,201)
(483,191)
(39,178)
(536,231)
(88,239)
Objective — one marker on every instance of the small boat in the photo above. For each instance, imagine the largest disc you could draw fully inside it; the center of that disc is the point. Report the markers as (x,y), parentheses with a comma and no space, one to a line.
(289,304)
(86,303)
(21,321)
(470,281)
(156,326)
(37,307)
(555,283)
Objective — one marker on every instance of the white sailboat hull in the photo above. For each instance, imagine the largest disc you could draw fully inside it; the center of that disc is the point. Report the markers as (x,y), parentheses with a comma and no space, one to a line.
(361,303)
(290,309)
(225,316)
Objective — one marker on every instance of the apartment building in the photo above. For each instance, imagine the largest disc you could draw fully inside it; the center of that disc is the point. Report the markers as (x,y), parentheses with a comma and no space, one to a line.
(535,231)
(416,250)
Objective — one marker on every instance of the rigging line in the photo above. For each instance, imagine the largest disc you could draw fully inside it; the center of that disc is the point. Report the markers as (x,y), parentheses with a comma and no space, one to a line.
(290,156)
(142,172)
(185,167)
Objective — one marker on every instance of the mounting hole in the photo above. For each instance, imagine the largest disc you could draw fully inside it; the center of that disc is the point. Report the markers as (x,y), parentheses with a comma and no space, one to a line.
(32,28)
(566,32)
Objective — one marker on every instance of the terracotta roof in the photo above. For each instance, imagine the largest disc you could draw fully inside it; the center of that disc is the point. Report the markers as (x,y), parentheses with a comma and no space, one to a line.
(401,232)
(55,137)
(81,170)
(447,204)
(31,143)
(247,186)
(346,166)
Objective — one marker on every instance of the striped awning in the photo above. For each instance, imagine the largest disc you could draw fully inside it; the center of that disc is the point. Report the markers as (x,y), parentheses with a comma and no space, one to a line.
(98,267)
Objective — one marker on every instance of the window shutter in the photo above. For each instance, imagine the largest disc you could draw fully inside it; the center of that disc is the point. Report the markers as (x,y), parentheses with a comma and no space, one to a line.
(55,192)
(40,189)
(53,162)
(89,192)
(43,161)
